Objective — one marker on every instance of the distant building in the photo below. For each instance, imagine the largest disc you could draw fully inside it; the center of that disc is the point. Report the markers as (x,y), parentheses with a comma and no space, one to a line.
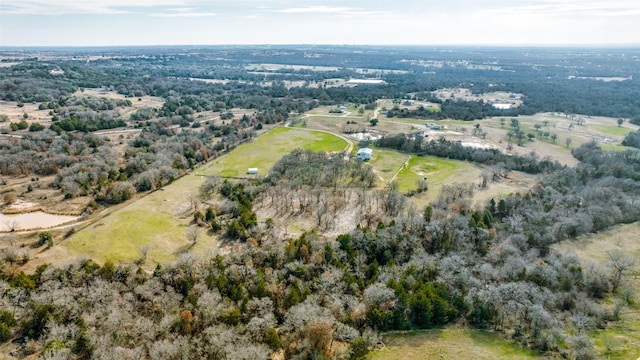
(252,171)
(502,106)
(364,154)
(365,82)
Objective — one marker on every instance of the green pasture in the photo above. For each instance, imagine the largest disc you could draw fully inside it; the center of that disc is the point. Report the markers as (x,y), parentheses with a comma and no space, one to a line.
(387,163)
(438,170)
(449,343)
(611,130)
(159,220)
(265,151)
(408,169)
(615,147)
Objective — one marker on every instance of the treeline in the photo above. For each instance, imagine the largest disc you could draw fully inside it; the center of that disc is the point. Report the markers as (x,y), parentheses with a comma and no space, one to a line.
(455,150)
(453,109)
(632,139)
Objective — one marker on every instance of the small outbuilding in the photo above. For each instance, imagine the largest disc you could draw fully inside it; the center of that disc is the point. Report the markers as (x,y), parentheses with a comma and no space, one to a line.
(252,171)
(364,154)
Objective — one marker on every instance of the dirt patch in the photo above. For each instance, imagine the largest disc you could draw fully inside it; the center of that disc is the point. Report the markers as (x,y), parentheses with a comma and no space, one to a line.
(21,206)
(136,102)
(17,113)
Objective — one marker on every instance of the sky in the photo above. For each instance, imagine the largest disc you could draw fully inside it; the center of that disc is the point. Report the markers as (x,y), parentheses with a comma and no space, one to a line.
(346,22)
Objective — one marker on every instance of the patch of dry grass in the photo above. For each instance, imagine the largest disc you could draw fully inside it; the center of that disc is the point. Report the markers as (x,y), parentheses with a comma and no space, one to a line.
(449,343)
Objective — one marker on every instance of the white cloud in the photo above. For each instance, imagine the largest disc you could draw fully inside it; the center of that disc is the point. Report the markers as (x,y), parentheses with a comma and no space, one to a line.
(63,7)
(183,12)
(322,9)
(569,8)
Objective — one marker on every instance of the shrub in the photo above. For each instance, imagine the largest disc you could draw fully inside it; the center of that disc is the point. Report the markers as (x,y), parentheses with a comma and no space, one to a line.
(36,127)
(359,349)
(45,238)
(272,339)
(119,192)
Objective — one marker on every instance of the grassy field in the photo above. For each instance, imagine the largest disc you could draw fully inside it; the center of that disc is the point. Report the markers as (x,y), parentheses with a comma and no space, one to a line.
(449,343)
(612,130)
(438,171)
(614,147)
(160,219)
(269,148)
(620,340)
(387,163)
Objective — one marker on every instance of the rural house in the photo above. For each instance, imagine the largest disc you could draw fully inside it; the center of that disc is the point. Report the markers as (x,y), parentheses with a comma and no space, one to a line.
(364,154)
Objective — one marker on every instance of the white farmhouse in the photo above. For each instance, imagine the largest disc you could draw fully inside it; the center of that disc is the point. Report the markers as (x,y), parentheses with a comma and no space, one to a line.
(364,154)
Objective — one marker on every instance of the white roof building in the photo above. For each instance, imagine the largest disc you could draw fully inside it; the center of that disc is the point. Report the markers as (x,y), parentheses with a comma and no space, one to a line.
(364,154)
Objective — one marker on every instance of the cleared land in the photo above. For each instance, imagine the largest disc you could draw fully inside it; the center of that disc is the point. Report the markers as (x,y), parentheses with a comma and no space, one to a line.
(449,343)
(136,102)
(387,163)
(16,113)
(611,130)
(269,148)
(160,219)
(621,340)
(439,171)
(492,134)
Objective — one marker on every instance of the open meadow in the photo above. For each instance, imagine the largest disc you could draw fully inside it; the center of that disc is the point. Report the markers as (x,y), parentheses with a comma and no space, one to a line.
(159,220)
(449,343)
(268,149)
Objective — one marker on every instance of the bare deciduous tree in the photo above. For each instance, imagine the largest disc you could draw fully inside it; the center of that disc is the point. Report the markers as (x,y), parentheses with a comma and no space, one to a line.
(620,265)
(193,233)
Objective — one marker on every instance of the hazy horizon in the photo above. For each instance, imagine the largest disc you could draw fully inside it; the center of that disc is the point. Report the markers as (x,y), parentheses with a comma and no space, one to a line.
(436,46)
(74,23)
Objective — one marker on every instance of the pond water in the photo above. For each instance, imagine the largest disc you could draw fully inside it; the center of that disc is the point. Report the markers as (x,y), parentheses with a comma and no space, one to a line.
(33,220)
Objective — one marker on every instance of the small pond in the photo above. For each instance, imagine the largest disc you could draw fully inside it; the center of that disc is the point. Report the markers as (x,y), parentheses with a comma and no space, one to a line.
(33,220)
